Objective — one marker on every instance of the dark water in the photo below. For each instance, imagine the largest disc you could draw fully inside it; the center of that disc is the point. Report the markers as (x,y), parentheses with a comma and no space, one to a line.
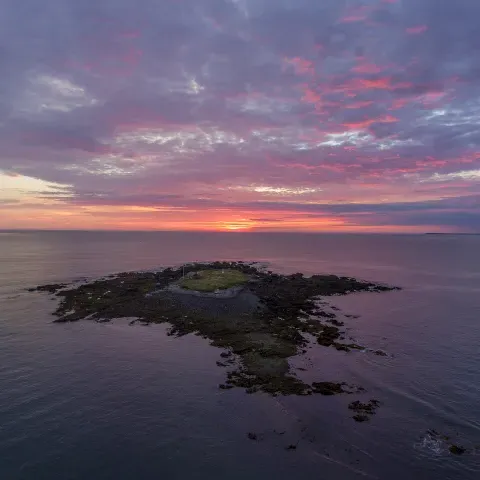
(109,401)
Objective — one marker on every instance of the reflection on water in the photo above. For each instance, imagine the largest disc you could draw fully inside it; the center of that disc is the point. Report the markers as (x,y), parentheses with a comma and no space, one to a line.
(115,401)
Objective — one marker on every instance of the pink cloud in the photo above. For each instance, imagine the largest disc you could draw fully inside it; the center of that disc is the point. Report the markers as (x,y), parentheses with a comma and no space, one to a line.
(353,18)
(430,162)
(383,83)
(356,105)
(417,30)
(362,125)
(302,66)
(310,96)
(432,97)
(366,68)
(132,56)
(130,34)
(399,103)
(355,14)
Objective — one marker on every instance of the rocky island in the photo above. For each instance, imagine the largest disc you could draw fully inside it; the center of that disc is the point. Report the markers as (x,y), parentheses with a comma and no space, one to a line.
(259,318)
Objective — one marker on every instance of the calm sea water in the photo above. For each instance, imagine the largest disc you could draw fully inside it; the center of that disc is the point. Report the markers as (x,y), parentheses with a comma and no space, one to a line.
(110,401)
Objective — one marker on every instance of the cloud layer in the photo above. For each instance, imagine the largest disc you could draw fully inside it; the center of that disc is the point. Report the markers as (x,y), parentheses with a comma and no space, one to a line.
(265,114)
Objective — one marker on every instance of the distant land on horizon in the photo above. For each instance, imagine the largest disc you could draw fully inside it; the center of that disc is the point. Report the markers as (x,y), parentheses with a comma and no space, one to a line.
(449,233)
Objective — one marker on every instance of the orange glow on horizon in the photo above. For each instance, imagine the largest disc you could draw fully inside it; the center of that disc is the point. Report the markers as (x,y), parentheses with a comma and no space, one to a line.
(276,212)
(61,217)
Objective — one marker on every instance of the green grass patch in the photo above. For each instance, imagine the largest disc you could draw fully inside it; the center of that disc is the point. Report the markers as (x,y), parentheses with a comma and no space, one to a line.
(211,280)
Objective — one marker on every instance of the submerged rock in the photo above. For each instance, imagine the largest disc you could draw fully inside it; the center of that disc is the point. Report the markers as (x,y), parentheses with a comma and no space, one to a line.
(328,388)
(457,449)
(332,388)
(363,410)
(50,288)
(360,417)
(225,386)
(445,443)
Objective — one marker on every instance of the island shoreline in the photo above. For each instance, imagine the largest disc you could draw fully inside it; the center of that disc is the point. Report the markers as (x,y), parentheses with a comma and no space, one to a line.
(259,324)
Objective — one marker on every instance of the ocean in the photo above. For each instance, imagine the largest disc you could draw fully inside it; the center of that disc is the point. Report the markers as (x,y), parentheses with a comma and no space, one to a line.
(112,401)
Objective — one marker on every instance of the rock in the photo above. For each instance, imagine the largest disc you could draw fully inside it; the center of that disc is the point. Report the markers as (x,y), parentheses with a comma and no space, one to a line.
(252,436)
(328,388)
(358,406)
(341,347)
(360,417)
(50,288)
(347,347)
(223,386)
(457,449)
(291,447)
(454,449)
(363,409)
(328,335)
(335,322)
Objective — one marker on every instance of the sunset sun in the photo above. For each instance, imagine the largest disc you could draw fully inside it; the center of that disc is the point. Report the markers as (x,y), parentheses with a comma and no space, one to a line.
(238,225)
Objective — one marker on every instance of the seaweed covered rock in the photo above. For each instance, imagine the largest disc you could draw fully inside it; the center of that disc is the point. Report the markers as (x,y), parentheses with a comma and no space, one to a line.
(457,449)
(363,410)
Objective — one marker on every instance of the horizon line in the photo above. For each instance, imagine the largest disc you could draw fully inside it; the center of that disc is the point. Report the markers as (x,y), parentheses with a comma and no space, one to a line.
(240,231)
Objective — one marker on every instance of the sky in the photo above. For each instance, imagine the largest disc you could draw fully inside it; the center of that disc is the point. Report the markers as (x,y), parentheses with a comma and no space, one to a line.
(257,115)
